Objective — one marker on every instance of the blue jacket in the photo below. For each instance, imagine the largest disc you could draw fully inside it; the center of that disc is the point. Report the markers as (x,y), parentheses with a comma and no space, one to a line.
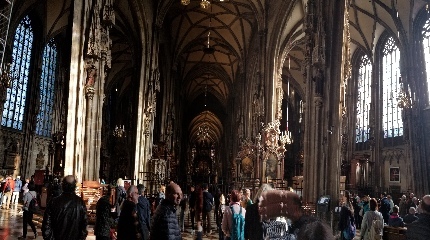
(165,224)
(18,185)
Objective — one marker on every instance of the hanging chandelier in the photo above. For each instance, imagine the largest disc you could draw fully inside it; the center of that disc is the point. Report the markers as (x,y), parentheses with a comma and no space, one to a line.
(185,2)
(205,4)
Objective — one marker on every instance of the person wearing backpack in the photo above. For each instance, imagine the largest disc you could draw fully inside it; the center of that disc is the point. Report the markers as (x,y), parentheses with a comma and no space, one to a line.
(208,203)
(233,222)
(7,192)
(373,222)
(27,217)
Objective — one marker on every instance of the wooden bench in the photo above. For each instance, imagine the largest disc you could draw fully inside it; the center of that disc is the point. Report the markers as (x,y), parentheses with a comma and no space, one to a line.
(394,233)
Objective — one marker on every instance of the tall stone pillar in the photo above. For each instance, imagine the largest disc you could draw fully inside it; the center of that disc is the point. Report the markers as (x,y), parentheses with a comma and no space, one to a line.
(89,59)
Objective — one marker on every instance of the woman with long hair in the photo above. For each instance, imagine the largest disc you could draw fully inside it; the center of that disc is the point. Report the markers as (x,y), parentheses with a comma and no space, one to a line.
(346,215)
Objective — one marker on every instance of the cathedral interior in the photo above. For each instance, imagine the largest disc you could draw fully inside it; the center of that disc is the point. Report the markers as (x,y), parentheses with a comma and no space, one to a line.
(313,96)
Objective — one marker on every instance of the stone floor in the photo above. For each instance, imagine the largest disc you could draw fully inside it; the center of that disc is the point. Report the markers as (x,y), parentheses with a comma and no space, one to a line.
(11,226)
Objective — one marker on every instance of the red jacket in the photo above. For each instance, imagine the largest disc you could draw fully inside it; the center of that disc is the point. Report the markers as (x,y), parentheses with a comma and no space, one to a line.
(11,184)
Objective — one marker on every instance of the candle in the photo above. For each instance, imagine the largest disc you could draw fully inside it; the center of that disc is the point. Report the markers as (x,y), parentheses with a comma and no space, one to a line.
(289,63)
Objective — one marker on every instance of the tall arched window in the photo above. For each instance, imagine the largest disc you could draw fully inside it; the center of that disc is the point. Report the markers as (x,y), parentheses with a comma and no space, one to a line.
(363,99)
(391,114)
(46,96)
(13,111)
(426,45)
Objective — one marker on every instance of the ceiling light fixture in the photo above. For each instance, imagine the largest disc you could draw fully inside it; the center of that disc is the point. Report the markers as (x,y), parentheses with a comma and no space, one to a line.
(185,2)
(205,4)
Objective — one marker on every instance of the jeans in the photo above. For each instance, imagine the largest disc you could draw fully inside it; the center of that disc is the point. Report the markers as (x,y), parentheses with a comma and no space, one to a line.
(15,196)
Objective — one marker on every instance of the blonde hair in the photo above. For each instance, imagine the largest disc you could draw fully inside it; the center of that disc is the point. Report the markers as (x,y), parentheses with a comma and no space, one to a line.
(120,182)
(222,199)
(263,188)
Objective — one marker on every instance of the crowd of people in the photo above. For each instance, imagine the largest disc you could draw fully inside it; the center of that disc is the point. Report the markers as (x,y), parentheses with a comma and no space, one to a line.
(269,214)
(370,215)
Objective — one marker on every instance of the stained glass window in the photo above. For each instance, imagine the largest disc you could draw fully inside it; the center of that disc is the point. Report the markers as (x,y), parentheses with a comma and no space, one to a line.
(426,45)
(46,95)
(13,111)
(391,114)
(363,100)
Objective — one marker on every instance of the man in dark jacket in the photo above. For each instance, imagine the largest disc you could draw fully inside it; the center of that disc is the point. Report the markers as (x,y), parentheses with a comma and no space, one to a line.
(143,212)
(208,202)
(384,207)
(420,229)
(165,223)
(66,215)
(128,222)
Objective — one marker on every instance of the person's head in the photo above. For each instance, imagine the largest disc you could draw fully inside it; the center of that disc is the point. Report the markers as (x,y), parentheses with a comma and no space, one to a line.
(415,200)
(412,210)
(69,184)
(389,197)
(27,180)
(132,194)
(396,209)
(346,198)
(384,194)
(174,193)
(315,230)
(192,188)
(18,177)
(425,204)
(120,182)
(373,204)
(222,199)
(31,187)
(235,196)
(205,186)
(263,188)
(247,193)
(403,197)
(141,189)
(411,195)
(162,188)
